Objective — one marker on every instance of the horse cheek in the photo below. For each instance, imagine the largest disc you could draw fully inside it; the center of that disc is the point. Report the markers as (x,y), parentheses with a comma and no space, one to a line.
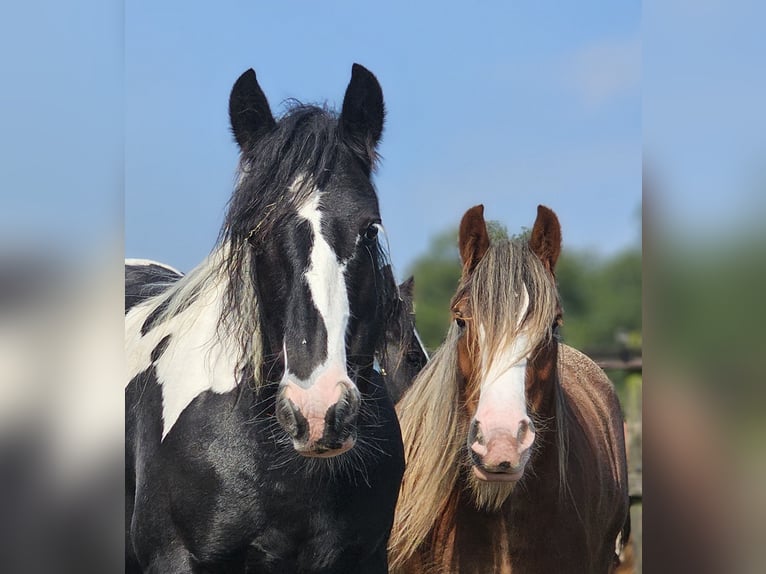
(464,362)
(544,367)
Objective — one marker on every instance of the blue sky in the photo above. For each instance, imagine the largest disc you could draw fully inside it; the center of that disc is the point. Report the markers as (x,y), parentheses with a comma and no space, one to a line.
(113,118)
(506,104)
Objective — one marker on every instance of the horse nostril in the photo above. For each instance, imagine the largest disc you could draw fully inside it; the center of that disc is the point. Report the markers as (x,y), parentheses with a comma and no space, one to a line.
(291,419)
(348,405)
(525,434)
(343,413)
(353,398)
(474,433)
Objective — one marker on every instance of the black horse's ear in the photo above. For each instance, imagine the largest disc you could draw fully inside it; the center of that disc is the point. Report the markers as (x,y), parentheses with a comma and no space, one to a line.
(249,110)
(407,288)
(363,113)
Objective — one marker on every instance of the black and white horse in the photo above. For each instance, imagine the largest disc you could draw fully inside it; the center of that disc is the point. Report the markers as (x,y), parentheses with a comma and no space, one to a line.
(259,437)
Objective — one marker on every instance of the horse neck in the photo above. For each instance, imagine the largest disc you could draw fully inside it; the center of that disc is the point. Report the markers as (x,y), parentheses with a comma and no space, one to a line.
(549,409)
(463,527)
(194,312)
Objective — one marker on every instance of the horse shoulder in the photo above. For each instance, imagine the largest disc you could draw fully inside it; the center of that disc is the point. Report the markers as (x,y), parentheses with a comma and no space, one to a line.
(592,395)
(184,352)
(138,347)
(596,438)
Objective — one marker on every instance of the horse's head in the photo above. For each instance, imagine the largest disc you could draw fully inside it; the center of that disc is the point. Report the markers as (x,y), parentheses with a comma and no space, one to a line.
(306,216)
(506,308)
(404,355)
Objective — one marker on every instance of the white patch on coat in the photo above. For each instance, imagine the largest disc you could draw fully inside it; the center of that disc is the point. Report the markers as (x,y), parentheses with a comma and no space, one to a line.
(147,262)
(195,360)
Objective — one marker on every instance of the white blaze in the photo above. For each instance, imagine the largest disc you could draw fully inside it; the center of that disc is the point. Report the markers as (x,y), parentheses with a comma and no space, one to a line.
(327,283)
(503,384)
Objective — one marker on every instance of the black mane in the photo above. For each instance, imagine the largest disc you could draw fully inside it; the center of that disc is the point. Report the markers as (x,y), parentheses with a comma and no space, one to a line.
(306,142)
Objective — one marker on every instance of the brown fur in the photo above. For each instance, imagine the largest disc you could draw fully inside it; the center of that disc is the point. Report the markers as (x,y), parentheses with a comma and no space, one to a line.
(545,240)
(474,238)
(567,511)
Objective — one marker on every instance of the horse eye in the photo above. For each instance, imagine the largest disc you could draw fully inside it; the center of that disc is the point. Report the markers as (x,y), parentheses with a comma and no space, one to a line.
(371,233)
(460,322)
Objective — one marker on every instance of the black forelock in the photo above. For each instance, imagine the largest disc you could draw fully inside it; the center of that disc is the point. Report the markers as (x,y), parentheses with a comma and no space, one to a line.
(305,142)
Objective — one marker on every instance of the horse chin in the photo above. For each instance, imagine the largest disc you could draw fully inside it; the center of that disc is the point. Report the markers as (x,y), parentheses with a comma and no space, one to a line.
(486,476)
(490,489)
(316,450)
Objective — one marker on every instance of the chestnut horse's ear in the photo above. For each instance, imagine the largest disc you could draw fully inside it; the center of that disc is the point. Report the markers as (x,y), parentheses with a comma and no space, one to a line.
(473,239)
(249,111)
(545,240)
(363,113)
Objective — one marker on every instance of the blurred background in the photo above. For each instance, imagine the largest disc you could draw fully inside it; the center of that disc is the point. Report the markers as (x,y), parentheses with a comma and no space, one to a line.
(114,142)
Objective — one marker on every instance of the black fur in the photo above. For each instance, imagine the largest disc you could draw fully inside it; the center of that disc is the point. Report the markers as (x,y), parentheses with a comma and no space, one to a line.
(249,110)
(363,113)
(143,281)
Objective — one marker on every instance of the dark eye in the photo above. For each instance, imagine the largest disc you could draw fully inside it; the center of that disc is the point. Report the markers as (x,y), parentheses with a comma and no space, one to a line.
(460,322)
(371,233)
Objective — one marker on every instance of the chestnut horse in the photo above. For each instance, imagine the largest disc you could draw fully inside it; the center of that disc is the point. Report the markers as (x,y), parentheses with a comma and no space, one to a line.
(513,441)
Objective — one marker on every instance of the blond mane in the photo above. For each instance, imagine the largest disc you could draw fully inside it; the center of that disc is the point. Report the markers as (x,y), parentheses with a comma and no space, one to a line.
(433,433)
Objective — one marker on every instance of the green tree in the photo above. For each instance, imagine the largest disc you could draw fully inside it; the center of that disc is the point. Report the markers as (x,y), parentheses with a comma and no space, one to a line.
(601,300)
(436,273)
